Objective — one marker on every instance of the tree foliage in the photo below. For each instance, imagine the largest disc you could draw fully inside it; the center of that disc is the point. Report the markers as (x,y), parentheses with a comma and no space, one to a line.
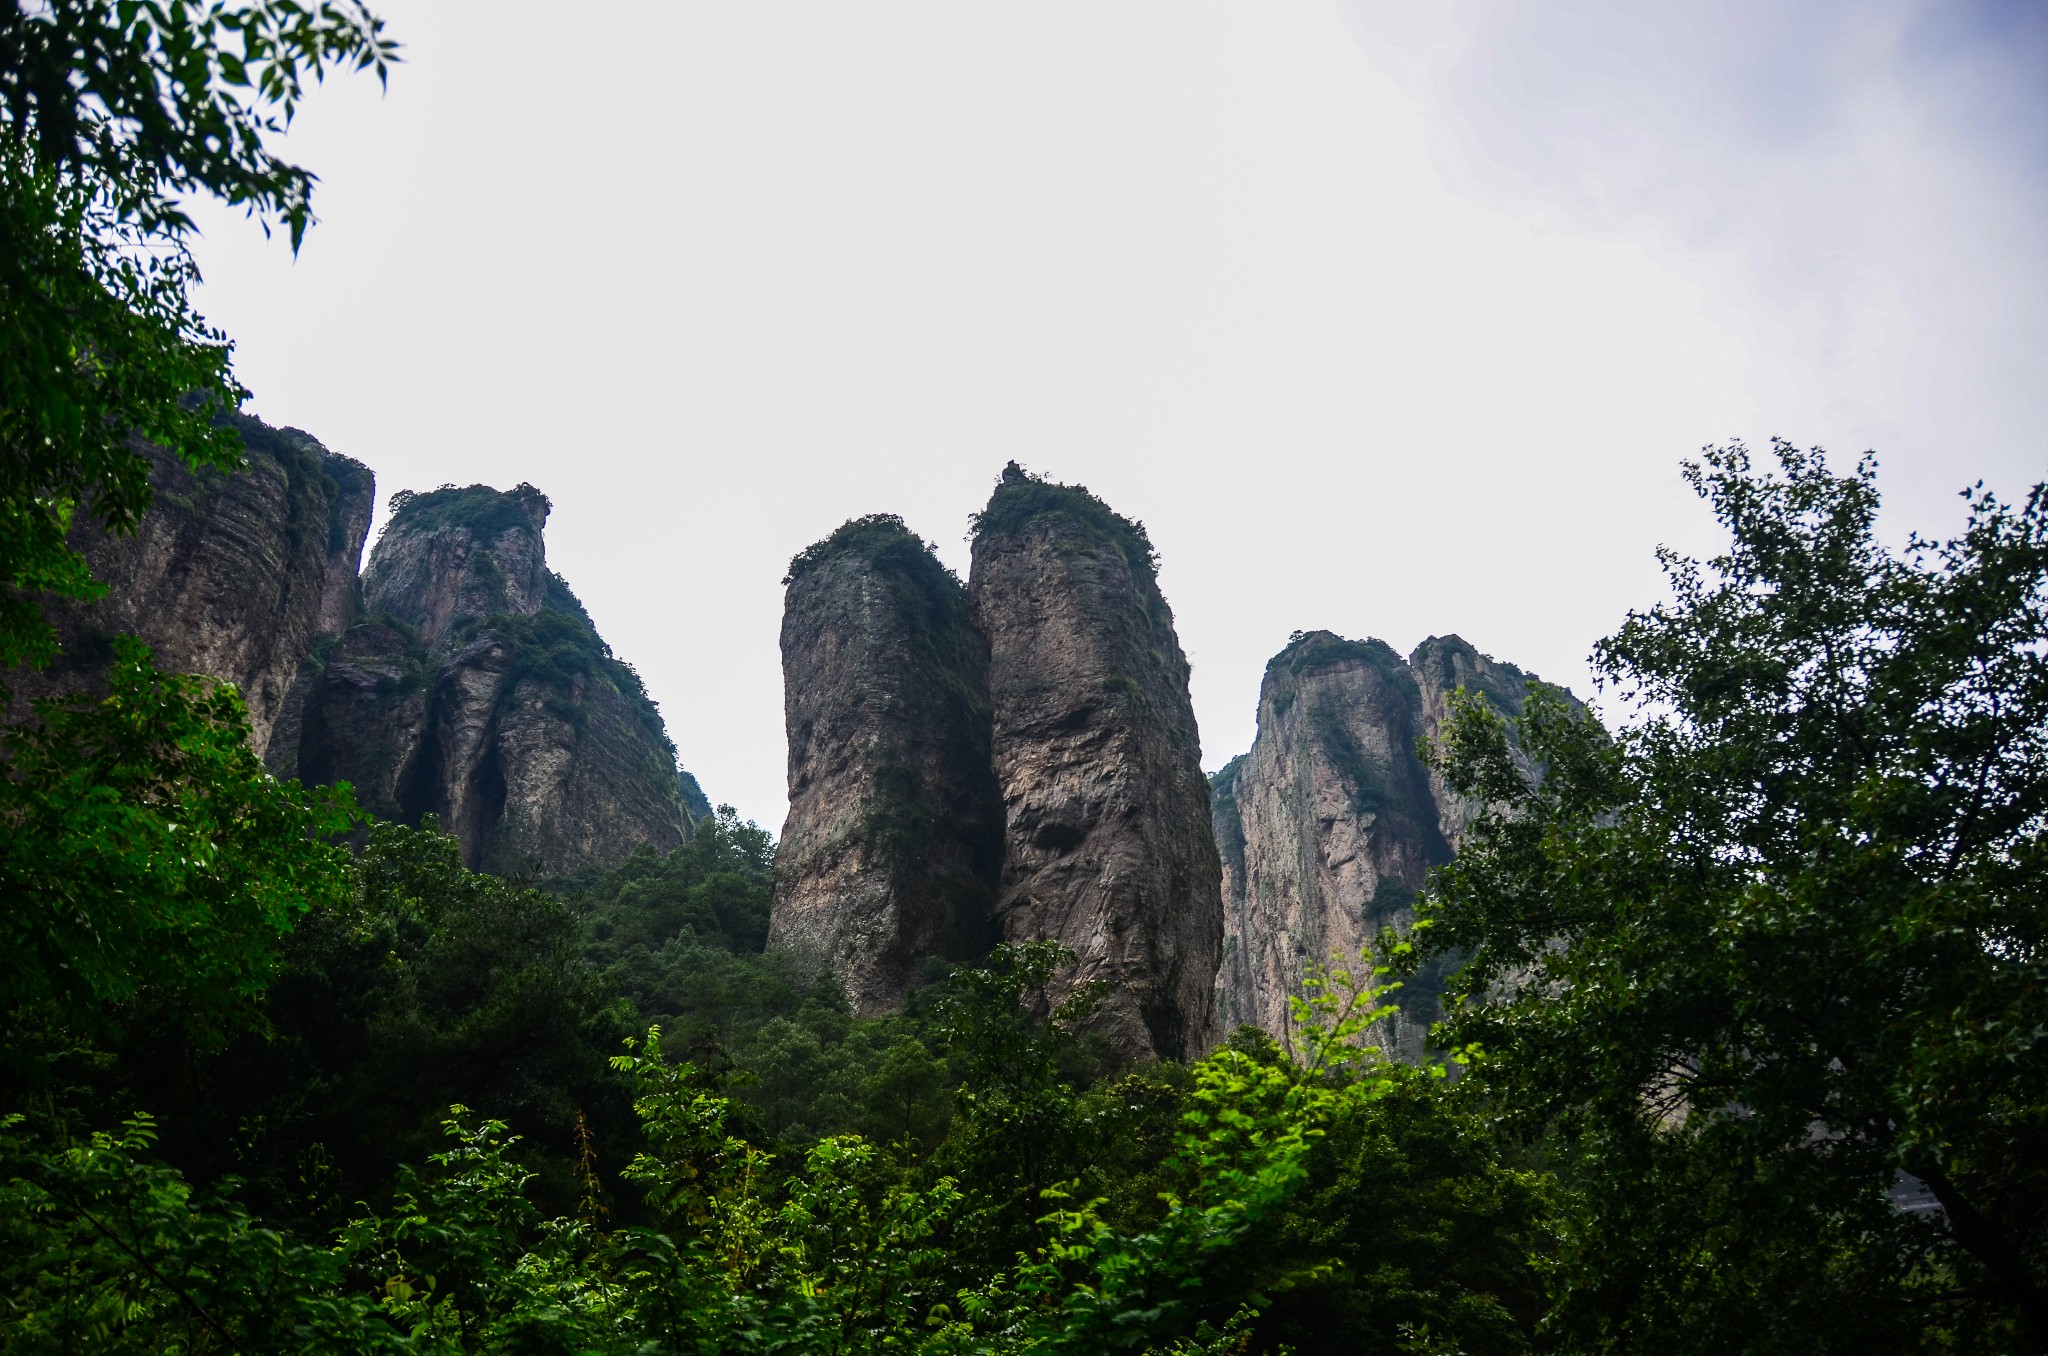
(147,856)
(113,116)
(1775,948)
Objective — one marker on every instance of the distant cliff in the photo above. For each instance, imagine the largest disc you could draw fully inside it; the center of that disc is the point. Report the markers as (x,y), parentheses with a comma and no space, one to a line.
(1108,844)
(1330,825)
(457,676)
(227,575)
(474,687)
(893,847)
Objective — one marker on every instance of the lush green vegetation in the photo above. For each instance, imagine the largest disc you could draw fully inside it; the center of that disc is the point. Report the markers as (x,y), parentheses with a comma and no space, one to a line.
(1780,940)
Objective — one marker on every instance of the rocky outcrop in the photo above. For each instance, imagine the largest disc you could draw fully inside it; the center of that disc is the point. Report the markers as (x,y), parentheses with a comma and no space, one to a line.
(1331,824)
(476,689)
(1442,665)
(453,557)
(892,850)
(232,576)
(1108,845)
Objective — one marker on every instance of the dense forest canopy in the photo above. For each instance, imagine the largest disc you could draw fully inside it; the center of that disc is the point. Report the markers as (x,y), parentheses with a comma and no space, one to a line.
(1728,980)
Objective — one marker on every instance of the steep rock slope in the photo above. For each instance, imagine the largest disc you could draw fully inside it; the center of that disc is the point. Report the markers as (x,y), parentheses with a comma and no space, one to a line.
(475,688)
(1108,845)
(893,846)
(1331,823)
(227,575)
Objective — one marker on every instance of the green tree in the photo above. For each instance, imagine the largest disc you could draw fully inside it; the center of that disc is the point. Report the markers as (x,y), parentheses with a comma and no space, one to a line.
(147,858)
(423,985)
(1779,939)
(114,115)
(102,1250)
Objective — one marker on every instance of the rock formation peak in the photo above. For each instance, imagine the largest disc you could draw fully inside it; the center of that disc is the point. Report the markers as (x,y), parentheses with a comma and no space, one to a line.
(475,688)
(1012,761)
(453,556)
(1330,825)
(893,845)
(1108,847)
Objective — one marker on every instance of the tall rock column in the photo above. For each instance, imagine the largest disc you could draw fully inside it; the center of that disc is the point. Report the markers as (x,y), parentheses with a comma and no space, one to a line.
(1333,821)
(1108,843)
(893,846)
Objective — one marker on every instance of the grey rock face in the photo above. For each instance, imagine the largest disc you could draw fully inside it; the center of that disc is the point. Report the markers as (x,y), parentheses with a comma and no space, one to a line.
(1331,823)
(476,689)
(893,845)
(1108,845)
(227,575)
(456,556)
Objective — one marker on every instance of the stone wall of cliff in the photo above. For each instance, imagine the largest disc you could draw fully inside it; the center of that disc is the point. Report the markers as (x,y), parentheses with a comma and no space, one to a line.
(232,576)
(893,847)
(1332,823)
(457,676)
(1108,845)
(475,688)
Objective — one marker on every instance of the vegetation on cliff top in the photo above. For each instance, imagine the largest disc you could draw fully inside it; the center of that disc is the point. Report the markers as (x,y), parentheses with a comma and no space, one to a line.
(1315,649)
(883,540)
(1021,497)
(485,511)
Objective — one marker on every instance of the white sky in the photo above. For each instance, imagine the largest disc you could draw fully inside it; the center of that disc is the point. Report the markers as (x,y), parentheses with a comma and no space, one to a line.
(1394,319)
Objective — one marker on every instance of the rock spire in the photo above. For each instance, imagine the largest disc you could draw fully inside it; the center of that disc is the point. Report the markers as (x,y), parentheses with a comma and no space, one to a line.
(893,846)
(1108,847)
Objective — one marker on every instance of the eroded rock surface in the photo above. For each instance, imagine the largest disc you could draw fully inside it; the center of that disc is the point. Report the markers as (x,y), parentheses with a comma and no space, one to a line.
(1108,845)
(453,557)
(892,850)
(476,689)
(232,576)
(1331,824)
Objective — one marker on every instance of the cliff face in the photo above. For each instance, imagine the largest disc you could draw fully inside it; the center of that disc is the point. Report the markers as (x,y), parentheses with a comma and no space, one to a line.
(227,575)
(1108,845)
(1331,823)
(893,846)
(475,688)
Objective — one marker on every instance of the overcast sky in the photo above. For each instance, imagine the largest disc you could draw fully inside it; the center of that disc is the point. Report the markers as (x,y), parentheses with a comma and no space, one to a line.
(1390,318)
